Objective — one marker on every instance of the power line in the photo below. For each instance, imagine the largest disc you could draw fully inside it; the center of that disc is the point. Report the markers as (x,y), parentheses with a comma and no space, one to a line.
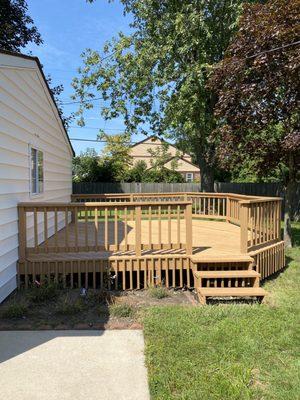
(94,128)
(83,101)
(88,140)
(274,49)
(105,141)
(246,58)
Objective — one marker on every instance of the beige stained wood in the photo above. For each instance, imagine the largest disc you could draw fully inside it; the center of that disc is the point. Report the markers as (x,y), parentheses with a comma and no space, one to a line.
(174,269)
(232,292)
(165,245)
(228,274)
(210,238)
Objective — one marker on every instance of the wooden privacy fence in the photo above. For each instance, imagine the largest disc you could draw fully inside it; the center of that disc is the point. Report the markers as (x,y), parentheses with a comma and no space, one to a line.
(134,187)
(107,226)
(268,189)
(204,205)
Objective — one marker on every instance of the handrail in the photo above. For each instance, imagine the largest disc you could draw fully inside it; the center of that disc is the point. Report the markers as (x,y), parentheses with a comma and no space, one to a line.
(172,194)
(109,226)
(260,223)
(101,204)
(257,217)
(227,206)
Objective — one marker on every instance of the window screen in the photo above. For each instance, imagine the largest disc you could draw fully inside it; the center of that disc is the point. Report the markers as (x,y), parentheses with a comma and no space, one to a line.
(37,171)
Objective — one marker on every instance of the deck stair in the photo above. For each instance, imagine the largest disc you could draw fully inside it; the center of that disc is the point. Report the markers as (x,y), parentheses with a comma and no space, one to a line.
(227,279)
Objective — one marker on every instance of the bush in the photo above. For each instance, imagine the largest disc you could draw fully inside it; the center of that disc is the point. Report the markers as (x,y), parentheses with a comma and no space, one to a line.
(99,297)
(14,310)
(69,306)
(158,292)
(121,310)
(45,292)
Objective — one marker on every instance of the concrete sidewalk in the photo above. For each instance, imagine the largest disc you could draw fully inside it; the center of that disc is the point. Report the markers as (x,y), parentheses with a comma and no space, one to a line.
(73,365)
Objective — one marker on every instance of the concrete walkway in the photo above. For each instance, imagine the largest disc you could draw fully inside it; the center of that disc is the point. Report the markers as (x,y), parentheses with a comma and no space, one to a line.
(73,365)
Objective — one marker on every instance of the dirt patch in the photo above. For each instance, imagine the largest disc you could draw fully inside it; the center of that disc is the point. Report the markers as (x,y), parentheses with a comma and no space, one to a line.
(69,309)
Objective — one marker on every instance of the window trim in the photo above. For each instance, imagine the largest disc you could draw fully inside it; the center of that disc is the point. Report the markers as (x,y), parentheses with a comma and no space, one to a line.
(191,174)
(31,193)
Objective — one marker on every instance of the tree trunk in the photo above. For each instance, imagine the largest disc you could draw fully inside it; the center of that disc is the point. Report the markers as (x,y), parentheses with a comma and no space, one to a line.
(288,214)
(207,176)
(288,209)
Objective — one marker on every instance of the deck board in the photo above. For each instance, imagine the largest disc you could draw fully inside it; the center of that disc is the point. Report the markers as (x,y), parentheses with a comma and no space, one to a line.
(211,239)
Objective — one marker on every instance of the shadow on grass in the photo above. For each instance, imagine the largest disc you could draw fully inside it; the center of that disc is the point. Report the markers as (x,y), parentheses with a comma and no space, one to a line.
(296,234)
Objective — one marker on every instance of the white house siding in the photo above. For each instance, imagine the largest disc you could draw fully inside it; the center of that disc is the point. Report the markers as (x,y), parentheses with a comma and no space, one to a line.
(27,117)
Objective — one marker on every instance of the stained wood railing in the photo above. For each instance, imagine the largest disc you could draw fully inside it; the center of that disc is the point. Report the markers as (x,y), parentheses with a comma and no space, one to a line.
(258,217)
(106,226)
(204,205)
(260,223)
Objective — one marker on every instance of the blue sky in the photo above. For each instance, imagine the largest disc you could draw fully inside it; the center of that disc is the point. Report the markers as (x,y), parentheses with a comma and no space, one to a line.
(67,28)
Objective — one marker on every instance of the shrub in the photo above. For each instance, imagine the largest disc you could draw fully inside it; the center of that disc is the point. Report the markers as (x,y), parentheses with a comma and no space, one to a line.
(121,310)
(100,297)
(14,310)
(68,306)
(45,292)
(158,292)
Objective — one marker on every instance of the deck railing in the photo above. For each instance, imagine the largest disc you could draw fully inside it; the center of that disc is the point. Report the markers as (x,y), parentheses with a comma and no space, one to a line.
(204,205)
(107,226)
(258,217)
(260,223)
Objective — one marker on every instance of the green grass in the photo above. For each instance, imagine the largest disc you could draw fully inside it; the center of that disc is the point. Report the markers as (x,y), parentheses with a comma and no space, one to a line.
(47,291)
(67,305)
(121,310)
(14,310)
(158,292)
(229,352)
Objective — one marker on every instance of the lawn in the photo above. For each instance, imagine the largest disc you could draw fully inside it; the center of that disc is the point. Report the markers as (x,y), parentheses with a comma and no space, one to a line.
(237,351)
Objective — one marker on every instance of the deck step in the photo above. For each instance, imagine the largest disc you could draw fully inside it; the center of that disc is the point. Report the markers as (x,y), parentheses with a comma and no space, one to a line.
(247,273)
(230,292)
(197,258)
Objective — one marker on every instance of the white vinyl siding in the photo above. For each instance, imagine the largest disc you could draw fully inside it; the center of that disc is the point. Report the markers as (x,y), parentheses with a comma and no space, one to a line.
(28,119)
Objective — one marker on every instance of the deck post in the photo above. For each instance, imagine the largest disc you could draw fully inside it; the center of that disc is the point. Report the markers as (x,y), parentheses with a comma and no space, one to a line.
(244,227)
(189,229)
(279,219)
(138,230)
(227,209)
(22,233)
(131,199)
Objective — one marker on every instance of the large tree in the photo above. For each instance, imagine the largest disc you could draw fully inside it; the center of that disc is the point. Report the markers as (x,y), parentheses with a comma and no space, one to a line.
(17,28)
(156,77)
(257,85)
(116,154)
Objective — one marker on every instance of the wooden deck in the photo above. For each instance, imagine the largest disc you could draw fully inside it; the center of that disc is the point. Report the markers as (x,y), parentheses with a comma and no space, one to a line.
(211,240)
(134,241)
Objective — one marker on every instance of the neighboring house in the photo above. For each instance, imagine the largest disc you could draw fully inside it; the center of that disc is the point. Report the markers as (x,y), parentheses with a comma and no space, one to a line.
(35,154)
(140,151)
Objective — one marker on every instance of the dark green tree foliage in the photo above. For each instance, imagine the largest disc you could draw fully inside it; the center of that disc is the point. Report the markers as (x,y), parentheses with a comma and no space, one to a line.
(257,85)
(157,76)
(17,28)
(86,167)
(138,173)
(163,175)
(90,167)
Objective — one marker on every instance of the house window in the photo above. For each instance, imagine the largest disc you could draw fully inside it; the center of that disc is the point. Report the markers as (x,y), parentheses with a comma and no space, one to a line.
(37,171)
(189,177)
